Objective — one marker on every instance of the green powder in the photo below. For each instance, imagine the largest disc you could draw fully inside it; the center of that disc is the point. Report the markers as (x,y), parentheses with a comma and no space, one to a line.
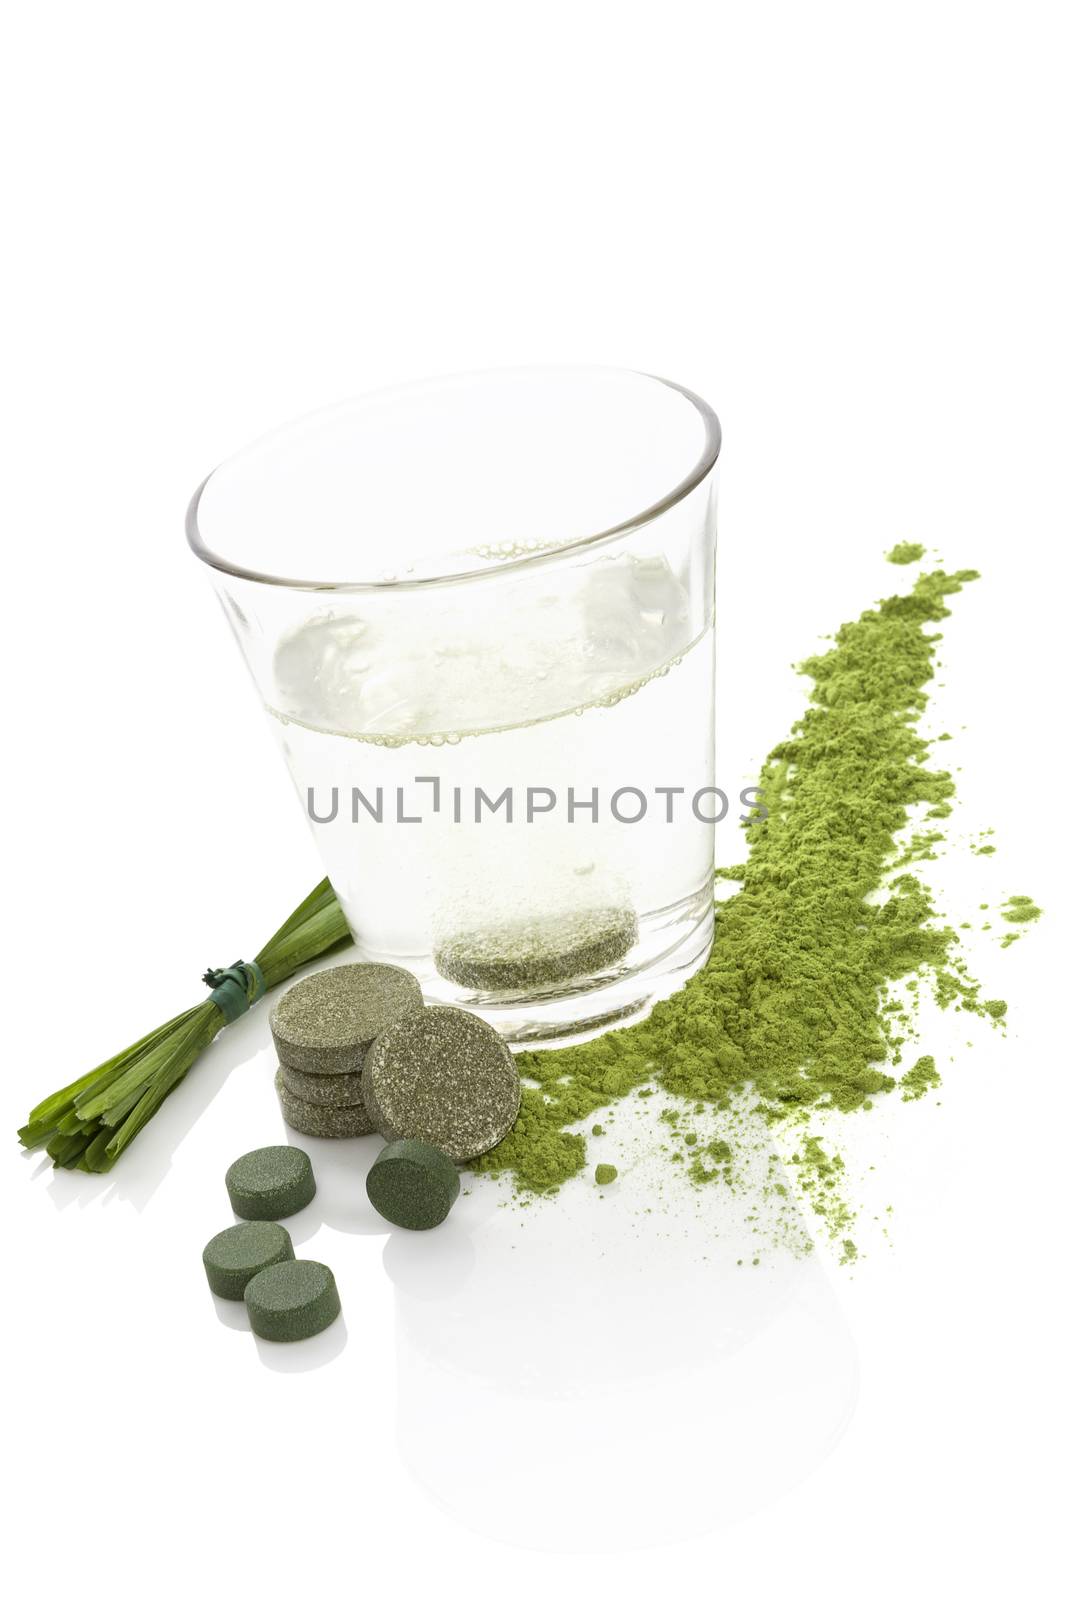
(718,1153)
(905,552)
(1020,908)
(1017,908)
(793,1008)
(924,1074)
(819,1177)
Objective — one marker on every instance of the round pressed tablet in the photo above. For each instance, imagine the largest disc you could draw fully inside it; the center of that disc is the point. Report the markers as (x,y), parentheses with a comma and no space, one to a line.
(326,1022)
(270,1183)
(292,1301)
(412,1185)
(547,950)
(322,1122)
(444,1077)
(324,1088)
(235,1255)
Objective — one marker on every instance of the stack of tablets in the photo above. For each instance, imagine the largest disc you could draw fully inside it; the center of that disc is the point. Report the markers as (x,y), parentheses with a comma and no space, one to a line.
(323,1028)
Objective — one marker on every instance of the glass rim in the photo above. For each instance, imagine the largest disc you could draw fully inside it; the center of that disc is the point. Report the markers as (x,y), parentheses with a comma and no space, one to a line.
(700,469)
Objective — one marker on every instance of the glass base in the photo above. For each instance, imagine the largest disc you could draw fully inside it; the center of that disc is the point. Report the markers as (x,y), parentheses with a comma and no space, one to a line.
(676,943)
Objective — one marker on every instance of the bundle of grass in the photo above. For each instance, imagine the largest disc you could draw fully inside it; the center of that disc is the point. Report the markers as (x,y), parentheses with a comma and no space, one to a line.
(88,1124)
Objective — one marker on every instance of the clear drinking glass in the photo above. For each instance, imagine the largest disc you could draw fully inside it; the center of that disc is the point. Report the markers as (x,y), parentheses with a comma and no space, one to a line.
(480,612)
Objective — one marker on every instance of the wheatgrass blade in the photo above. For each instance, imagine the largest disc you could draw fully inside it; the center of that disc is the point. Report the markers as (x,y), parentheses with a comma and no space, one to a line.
(90,1122)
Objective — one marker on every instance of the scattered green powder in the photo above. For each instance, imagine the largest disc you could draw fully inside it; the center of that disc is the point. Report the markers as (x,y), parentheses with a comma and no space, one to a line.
(905,552)
(924,1074)
(605,1173)
(819,1177)
(1019,908)
(919,848)
(793,1007)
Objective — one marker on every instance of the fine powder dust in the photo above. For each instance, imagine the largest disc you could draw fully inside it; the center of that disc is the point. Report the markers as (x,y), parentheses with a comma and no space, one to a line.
(792,1013)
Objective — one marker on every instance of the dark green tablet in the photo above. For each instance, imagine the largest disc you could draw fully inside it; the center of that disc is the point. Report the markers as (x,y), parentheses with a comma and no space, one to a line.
(234,1256)
(412,1184)
(270,1183)
(291,1301)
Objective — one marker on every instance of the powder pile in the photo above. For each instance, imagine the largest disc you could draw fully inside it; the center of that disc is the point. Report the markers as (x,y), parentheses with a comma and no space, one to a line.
(793,1011)
(905,552)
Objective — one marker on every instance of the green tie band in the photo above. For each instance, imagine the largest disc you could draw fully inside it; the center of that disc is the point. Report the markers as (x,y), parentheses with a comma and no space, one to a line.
(235,989)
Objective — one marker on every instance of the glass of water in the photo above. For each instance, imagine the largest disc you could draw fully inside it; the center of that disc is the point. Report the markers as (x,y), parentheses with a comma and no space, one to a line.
(480,612)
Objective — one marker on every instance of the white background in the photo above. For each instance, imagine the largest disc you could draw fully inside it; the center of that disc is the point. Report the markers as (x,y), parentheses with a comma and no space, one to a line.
(843,225)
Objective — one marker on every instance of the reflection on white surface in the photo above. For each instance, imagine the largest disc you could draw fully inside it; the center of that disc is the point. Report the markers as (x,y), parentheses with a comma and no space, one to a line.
(303,1355)
(341,1167)
(596,1371)
(145,1163)
(588,1372)
(231,1313)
